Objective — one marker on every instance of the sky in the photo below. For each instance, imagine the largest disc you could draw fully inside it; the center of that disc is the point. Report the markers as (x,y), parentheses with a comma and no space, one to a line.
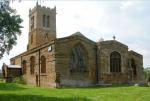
(128,21)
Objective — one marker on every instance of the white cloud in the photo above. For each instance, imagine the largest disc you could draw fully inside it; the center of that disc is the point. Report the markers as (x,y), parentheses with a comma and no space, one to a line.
(126,4)
(128,21)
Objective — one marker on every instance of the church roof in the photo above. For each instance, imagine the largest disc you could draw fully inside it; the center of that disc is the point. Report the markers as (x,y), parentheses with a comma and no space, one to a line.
(112,41)
(75,35)
(78,34)
(13,66)
(135,53)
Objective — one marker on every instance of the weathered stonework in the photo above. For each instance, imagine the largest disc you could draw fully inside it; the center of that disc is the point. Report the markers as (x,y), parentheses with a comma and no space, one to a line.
(63,48)
(58,52)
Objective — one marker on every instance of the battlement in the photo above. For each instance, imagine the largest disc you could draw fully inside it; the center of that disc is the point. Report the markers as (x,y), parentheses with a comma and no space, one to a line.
(42,8)
(42,25)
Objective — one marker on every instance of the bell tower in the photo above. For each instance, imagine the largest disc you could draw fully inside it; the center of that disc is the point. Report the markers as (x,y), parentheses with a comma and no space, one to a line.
(42,25)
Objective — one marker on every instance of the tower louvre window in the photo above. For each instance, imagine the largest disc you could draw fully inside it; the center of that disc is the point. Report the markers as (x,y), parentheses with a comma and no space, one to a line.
(32,22)
(44,20)
(31,39)
(47,21)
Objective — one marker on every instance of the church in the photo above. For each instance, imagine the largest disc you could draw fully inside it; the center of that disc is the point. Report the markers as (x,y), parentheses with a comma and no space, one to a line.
(74,60)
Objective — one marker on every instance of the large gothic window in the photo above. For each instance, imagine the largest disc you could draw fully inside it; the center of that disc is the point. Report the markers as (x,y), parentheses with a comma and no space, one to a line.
(32,64)
(43,64)
(133,65)
(115,62)
(78,59)
(24,66)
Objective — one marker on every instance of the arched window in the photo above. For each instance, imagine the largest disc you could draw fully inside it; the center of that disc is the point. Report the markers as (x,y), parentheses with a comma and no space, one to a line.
(32,22)
(43,64)
(47,22)
(44,20)
(115,62)
(24,66)
(4,71)
(32,64)
(31,38)
(78,59)
(133,65)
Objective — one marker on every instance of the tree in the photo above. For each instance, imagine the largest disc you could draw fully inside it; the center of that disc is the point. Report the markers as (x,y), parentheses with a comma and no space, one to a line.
(147,74)
(9,27)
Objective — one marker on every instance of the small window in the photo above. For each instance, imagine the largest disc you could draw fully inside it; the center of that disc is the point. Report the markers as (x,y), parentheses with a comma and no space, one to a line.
(49,48)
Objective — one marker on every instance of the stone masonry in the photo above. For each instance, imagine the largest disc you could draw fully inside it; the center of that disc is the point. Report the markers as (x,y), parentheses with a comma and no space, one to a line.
(74,60)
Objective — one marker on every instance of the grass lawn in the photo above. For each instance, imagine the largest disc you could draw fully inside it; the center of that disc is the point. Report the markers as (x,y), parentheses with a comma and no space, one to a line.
(18,92)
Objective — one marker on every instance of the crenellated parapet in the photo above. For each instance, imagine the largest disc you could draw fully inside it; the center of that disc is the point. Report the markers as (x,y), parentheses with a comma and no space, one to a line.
(42,8)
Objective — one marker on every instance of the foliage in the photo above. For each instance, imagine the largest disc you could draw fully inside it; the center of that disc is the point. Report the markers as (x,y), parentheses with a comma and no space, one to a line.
(147,74)
(19,80)
(18,92)
(9,27)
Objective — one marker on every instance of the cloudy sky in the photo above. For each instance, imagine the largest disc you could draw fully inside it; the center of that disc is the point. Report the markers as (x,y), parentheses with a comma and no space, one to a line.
(129,21)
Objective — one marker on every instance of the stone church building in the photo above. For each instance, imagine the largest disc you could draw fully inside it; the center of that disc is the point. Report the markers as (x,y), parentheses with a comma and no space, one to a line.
(74,60)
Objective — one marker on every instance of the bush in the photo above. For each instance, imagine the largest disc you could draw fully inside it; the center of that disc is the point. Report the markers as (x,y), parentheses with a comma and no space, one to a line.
(20,80)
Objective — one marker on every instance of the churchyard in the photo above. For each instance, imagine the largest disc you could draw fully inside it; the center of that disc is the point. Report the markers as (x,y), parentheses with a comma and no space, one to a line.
(19,92)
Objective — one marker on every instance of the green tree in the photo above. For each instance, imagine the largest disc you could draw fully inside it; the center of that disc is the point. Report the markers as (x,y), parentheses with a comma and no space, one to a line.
(10,27)
(147,74)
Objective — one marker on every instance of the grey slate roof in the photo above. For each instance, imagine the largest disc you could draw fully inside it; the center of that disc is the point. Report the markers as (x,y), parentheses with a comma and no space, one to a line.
(13,66)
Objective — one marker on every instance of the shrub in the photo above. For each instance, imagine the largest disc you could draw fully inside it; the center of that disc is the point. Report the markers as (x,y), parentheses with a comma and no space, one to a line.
(20,80)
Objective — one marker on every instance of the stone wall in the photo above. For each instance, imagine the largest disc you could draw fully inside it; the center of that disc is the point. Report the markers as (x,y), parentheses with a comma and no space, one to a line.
(39,34)
(139,78)
(105,48)
(63,49)
(46,79)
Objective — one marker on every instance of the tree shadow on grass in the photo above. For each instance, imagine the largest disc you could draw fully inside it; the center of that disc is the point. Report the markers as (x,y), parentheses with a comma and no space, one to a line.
(120,85)
(99,86)
(10,87)
(13,97)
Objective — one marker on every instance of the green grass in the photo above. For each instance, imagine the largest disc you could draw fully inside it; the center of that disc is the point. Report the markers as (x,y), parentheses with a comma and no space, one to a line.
(17,92)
